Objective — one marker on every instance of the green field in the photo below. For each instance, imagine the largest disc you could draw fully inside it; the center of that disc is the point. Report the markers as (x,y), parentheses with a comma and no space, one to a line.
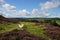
(6,28)
(35,29)
(58,22)
(28,26)
(31,27)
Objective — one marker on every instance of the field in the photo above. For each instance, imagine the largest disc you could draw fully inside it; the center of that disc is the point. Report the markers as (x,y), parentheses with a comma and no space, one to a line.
(45,28)
(6,28)
(34,29)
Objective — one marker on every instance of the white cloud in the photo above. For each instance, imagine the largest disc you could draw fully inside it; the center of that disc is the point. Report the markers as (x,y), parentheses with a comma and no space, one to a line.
(35,12)
(50,5)
(4,14)
(10,11)
(1,0)
(22,12)
(9,7)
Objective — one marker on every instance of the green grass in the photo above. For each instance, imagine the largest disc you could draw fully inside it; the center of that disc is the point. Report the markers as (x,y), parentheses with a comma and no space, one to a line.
(34,29)
(58,22)
(28,26)
(6,28)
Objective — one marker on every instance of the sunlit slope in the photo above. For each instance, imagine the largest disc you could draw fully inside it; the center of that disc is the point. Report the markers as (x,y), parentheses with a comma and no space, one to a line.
(58,22)
(35,29)
(8,27)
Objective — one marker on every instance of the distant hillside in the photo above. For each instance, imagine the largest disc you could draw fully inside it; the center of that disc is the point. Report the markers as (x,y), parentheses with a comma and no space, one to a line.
(8,20)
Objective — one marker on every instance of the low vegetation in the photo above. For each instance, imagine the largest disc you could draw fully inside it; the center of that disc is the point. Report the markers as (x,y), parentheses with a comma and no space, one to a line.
(8,27)
(45,28)
(34,29)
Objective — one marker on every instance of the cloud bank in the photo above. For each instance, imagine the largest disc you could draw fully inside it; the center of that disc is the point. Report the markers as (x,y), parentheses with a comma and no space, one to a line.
(1,0)
(50,5)
(10,11)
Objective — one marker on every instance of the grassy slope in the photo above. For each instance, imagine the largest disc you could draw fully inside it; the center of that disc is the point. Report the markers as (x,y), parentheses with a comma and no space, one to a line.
(28,26)
(35,29)
(58,22)
(7,28)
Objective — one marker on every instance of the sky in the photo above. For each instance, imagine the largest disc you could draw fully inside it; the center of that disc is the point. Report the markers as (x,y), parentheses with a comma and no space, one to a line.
(30,8)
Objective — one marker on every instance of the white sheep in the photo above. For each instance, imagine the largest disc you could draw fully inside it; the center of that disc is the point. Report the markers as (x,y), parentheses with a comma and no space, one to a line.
(21,25)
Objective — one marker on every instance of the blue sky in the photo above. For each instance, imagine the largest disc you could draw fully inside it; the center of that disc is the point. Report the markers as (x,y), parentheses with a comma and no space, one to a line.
(25,4)
(30,8)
